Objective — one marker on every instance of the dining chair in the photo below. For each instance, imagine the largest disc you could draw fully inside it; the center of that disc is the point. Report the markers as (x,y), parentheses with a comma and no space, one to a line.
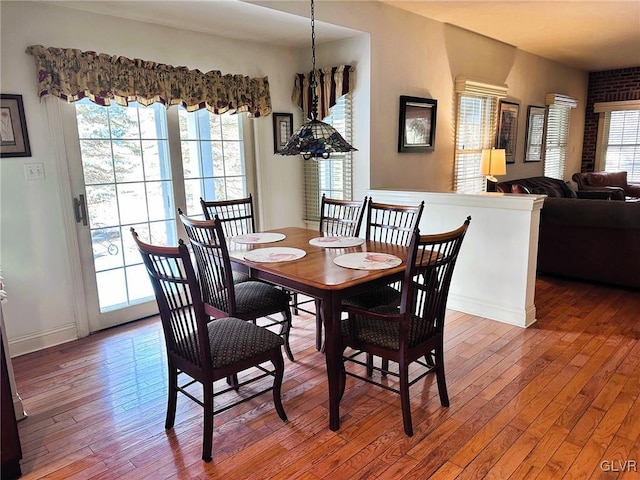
(237,219)
(203,350)
(412,331)
(248,300)
(339,218)
(387,223)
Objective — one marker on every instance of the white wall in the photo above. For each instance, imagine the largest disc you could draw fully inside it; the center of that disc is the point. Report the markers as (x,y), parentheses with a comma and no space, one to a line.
(413,55)
(33,244)
(403,54)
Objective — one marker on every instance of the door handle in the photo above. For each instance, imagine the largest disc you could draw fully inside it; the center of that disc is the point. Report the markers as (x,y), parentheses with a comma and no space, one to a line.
(80,209)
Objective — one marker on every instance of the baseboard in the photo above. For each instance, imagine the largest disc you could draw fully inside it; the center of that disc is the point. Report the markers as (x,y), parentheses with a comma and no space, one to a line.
(500,313)
(50,338)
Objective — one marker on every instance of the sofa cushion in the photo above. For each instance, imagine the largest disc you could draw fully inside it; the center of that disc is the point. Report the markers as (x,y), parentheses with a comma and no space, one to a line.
(607,179)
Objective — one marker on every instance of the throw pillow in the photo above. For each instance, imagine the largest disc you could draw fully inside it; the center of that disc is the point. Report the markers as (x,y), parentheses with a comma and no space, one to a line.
(517,188)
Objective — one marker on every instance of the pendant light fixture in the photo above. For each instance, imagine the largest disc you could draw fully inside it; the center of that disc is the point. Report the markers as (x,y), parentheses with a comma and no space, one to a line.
(315,139)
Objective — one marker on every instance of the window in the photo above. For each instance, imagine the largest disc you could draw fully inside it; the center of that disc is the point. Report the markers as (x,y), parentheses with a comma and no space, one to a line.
(557,132)
(333,175)
(619,138)
(475,130)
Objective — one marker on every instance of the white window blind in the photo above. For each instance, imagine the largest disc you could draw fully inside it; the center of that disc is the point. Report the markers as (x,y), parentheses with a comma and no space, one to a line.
(475,131)
(621,143)
(333,175)
(557,132)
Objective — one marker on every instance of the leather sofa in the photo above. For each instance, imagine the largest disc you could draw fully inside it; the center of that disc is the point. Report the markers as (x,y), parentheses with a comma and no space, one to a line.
(614,182)
(551,187)
(593,240)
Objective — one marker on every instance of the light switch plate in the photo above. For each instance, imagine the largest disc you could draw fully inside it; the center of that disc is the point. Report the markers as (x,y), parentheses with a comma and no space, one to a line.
(34,171)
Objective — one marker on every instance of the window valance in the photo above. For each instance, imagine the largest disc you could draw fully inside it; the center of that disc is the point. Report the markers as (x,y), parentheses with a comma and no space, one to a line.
(331,84)
(71,75)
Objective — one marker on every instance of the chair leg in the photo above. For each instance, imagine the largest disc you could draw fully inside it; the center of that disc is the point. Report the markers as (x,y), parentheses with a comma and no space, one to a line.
(278,364)
(404,397)
(232,381)
(294,303)
(318,327)
(172,398)
(385,367)
(369,364)
(442,383)
(284,332)
(343,379)
(207,441)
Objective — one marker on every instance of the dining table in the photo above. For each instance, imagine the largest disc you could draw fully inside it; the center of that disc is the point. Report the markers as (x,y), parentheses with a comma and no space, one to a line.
(329,269)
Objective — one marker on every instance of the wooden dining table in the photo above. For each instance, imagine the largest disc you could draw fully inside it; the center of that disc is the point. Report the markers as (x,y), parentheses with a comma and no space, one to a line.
(316,275)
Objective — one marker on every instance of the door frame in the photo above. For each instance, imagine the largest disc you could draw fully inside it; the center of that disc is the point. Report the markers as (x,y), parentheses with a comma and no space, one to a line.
(78,300)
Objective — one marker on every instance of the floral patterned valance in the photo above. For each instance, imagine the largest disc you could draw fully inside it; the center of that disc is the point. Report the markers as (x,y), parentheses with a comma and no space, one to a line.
(331,84)
(71,75)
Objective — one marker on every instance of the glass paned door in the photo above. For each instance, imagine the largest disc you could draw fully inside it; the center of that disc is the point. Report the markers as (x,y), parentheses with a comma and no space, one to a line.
(126,172)
(213,163)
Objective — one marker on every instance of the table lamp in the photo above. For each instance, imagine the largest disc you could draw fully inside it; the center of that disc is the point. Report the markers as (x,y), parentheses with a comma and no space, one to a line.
(493,163)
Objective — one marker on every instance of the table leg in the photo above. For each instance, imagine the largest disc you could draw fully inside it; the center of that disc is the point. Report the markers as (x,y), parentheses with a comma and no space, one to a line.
(331,312)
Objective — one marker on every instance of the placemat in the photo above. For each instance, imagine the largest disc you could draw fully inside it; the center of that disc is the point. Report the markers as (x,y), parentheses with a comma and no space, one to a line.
(274,254)
(367,261)
(336,242)
(260,237)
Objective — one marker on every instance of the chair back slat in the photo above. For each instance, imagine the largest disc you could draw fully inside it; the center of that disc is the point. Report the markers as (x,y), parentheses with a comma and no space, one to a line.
(213,263)
(177,293)
(236,215)
(392,223)
(430,266)
(341,218)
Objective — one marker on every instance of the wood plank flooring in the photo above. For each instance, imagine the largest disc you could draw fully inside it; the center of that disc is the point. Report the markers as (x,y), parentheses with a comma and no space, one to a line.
(558,400)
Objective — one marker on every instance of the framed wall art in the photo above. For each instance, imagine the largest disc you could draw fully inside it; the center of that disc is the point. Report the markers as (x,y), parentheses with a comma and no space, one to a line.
(417,125)
(508,129)
(14,139)
(534,133)
(282,130)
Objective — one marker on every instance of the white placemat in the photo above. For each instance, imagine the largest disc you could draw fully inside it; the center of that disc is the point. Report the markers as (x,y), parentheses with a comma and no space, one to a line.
(274,254)
(336,242)
(260,237)
(367,261)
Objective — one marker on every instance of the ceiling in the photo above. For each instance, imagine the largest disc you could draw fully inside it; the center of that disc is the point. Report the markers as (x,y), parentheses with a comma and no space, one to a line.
(589,35)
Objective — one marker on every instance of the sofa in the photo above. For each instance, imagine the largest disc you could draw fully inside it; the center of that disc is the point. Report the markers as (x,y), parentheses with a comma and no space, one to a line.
(593,240)
(584,235)
(552,187)
(614,182)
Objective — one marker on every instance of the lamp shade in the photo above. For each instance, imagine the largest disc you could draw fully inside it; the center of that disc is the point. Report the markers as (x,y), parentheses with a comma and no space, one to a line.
(493,162)
(315,139)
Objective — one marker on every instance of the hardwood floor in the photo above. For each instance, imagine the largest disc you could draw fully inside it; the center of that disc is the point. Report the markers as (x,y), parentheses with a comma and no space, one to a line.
(560,399)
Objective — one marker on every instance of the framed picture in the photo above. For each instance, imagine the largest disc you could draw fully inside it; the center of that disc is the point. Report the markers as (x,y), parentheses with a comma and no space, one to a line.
(14,140)
(282,130)
(508,129)
(534,133)
(417,126)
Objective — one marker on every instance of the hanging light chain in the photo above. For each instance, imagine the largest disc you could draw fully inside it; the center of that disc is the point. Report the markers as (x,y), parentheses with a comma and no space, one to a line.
(314,104)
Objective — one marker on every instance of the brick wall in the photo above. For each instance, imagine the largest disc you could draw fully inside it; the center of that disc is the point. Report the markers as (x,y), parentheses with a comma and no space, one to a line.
(607,86)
